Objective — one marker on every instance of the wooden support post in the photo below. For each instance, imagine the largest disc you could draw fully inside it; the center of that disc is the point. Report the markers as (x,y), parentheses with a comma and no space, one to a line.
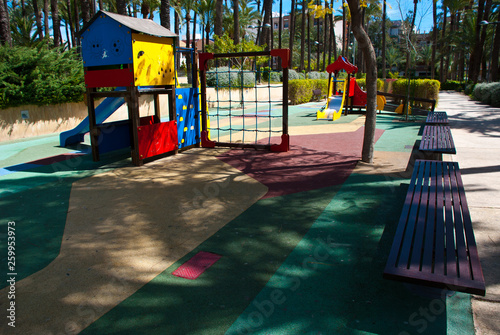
(93,130)
(133,115)
(172,106)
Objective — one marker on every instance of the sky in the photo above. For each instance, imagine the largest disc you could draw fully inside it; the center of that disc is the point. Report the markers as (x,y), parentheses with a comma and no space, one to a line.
(395,8)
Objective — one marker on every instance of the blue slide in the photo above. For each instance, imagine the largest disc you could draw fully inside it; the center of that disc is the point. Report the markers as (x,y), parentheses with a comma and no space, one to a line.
(102,112)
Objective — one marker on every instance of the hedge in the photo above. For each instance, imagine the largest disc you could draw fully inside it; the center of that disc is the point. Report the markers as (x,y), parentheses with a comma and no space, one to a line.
(488,93)
(39,76)
(419,88)
(300,90)
(362,84)
(224,77)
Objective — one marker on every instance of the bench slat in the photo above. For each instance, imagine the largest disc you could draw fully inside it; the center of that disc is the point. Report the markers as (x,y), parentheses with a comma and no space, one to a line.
(436,118)
(437,139)
(434,242)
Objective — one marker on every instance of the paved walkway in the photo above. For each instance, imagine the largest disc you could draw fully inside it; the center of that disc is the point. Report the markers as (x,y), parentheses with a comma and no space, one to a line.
(303,235)
(476,132)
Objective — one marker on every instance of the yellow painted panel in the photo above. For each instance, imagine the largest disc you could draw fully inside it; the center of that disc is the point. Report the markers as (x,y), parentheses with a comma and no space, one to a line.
(153,60)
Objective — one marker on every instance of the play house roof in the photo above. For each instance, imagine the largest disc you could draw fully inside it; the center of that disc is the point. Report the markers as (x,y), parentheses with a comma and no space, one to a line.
(341,64)
(144,26)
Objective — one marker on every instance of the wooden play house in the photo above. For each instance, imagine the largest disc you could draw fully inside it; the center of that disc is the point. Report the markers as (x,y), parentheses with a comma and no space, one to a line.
(137,56)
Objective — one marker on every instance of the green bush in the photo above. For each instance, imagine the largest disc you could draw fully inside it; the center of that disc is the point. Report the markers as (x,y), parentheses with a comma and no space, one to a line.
(488,93)
(453,85)
(39,76)
(293,75)
(275,75)
(314,75)
(302,75)
(300,91)
(362,83)
(220,77)
(419,88)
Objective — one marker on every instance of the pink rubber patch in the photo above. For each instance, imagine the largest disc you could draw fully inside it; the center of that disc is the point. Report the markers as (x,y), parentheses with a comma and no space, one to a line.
(193,268)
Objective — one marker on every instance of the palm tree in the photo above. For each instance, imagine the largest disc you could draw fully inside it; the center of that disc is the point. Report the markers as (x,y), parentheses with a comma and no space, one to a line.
(5,35)
(38,19)
(121,7)
(302,35)
(236,21)
(56,23)
(384,15)
(291,29)
(206,10)
(23,28)
(218,18)
(165,13)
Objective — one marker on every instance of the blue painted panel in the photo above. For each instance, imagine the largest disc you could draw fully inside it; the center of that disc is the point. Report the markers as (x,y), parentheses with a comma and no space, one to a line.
(114,136)
(106,42)
(188,116)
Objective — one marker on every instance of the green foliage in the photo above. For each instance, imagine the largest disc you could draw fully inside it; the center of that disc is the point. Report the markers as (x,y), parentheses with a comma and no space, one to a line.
(419,88)
(300,91)
(488,93)
(453,85)
(225,44)
(362,83)
(39,76)
(293,75)
(224,77)
(276,76)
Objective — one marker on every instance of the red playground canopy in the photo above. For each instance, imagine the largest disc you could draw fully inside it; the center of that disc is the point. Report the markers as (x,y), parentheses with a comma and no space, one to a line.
(341,64)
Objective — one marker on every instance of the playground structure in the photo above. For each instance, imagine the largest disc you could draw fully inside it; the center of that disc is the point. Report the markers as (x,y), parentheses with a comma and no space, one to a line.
(237,120)
(336,99)
(138,57)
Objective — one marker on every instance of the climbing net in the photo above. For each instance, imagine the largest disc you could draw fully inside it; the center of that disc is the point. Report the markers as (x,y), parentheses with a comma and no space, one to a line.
(245,99)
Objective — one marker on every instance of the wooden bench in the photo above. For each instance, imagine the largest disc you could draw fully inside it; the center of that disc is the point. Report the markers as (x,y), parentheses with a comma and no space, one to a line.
(437,140)
(434,243)
(436,118)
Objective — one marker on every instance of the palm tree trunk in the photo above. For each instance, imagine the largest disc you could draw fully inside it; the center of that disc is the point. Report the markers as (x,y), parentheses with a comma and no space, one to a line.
(280,28)
(268,7)
(85,11)
(236,18)
(5,36)
(366,46)
(495,52)
(177,21)
(46,17)
(434,38)
(384,18)
(165,13)
(70,22)
(308,42)
(476,55)
(121,7)
(302,35)
(408,42)
(218,18)
(77,22)
(38,19)
(442,71)
(56,23)
(487,8)
(292,31)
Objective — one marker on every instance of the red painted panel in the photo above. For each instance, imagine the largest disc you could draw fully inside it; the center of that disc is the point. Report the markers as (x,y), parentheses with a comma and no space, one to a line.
(148,120)
(109,78)
(157,139)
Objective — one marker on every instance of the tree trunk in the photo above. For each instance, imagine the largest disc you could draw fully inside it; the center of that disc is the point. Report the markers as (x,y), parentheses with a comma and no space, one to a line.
(177,22)
(302,36)
(38,19)
(267,32)
(85,11)
(487,8)
(70,22)
(5,36)
(408,41)
(384,17)
(56,23)
(280,28)
(236,18)
(218,18)
(476,55)
(366,46)
(495,52)
(442,71)
(46,17)
(308,42)
(77,21)
(165,13)
(121,7)
(434,38)
(291,28)
(334,38)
